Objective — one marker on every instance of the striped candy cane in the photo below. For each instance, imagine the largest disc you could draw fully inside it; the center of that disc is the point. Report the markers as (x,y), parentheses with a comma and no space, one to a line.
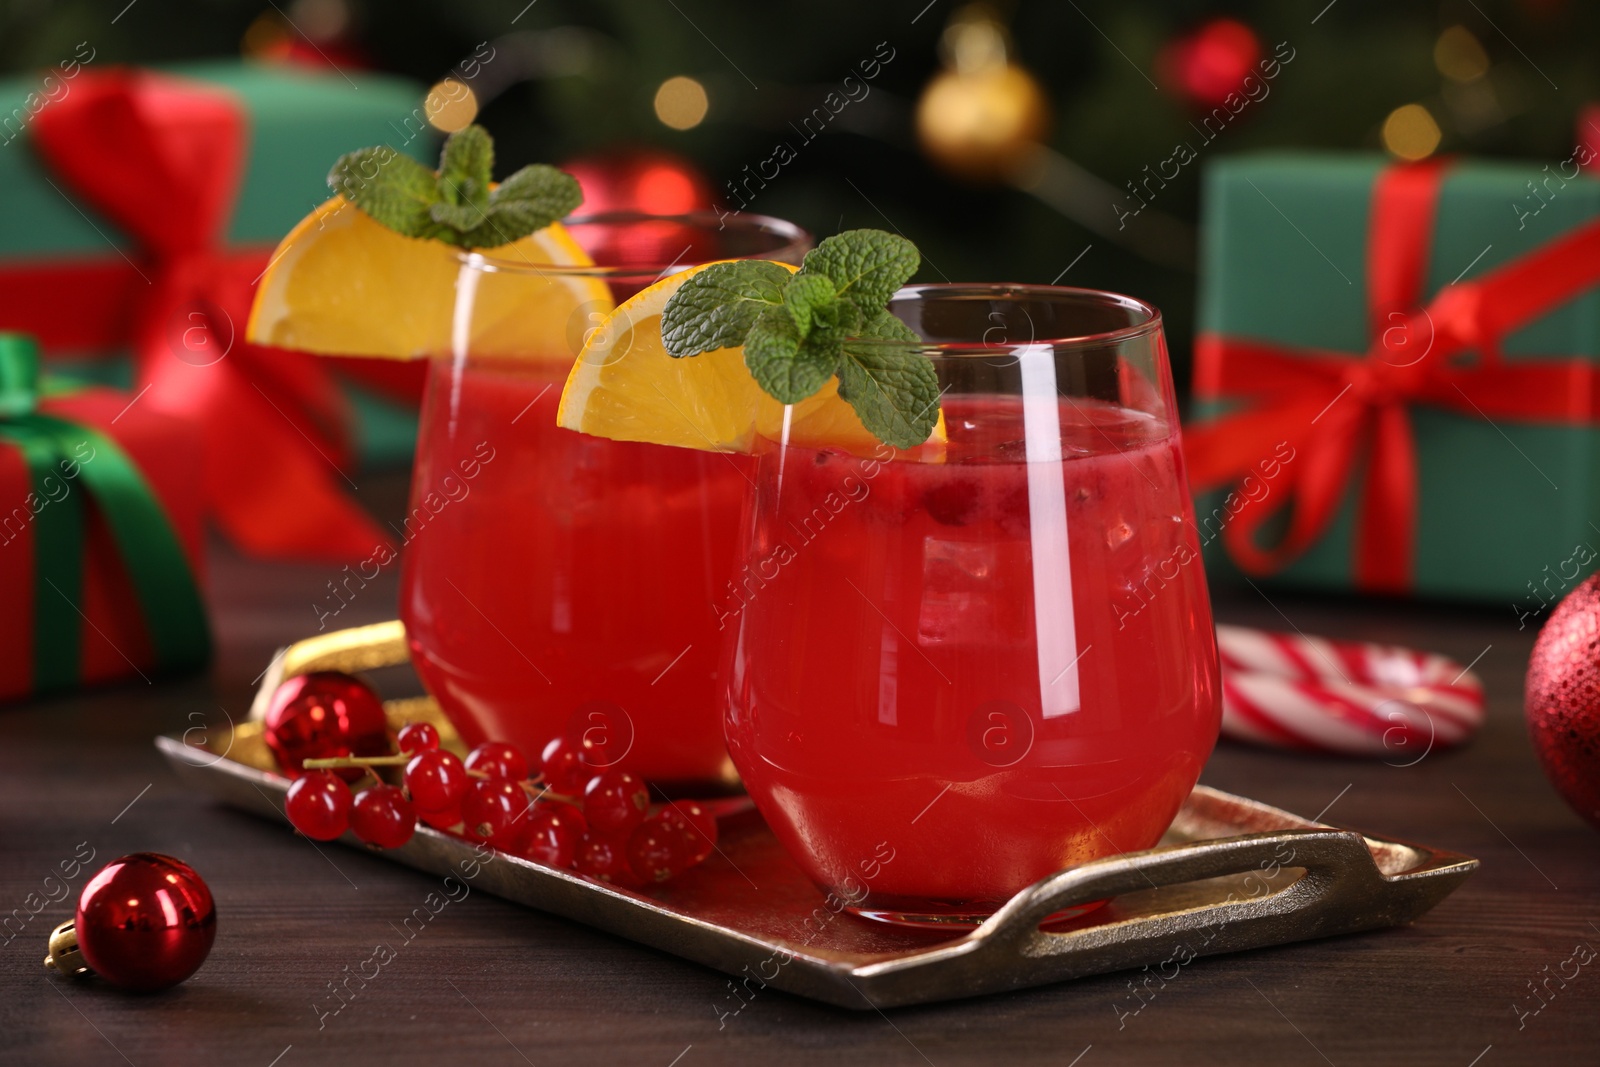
(1358,699)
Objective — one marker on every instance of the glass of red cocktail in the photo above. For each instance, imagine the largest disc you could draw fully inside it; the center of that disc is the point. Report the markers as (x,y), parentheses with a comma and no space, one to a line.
(961,668)
(557,583)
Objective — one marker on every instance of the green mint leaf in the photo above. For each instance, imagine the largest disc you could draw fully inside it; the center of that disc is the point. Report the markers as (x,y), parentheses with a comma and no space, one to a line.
(865,266)
(800,330)
(808,296)
(529,200)
(789,367)
(492,231)
(884,326)
(459,217)
(716,307)
(455,204)
(893,390)
(465,165)
(532,199)
(394,189)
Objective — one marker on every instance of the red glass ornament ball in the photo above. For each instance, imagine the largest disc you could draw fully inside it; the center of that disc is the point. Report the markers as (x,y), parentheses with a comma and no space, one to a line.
(647,182)
(640,179)
(325,714)
(146,922)
(1211,64)
(1562,699)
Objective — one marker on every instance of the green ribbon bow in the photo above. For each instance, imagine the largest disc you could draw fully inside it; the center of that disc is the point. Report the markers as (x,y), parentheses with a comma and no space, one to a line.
(148,546)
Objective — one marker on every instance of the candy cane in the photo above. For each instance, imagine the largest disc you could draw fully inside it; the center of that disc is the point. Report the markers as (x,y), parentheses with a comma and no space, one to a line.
(1359,699)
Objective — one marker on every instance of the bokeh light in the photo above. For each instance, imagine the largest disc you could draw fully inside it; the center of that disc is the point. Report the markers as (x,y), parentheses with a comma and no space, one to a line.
(681,103)
(1459,56)
(450,105)
(1410,132)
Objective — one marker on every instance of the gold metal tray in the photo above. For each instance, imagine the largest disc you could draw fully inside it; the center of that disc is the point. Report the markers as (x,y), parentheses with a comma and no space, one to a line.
(1230,874)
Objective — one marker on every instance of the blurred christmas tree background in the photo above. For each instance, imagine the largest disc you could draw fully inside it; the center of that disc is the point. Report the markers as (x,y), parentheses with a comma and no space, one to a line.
(1007,139)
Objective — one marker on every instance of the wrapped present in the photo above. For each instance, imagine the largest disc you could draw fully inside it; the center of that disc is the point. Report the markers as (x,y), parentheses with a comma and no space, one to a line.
(1396,364)
(100,534)
(140,209)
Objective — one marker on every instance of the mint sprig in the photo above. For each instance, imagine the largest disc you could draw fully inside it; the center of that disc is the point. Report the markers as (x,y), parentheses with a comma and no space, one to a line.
(456,204)
(829,320)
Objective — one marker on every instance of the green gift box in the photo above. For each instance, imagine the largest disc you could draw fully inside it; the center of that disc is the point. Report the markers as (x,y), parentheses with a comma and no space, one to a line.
(299,121)
(1396,376)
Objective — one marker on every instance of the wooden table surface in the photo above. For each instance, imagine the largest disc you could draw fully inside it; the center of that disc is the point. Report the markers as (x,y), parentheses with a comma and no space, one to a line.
(491,983)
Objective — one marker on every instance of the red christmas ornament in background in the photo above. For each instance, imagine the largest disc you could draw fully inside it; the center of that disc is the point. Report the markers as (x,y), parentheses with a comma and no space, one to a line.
(641,180)
(1562,699)
(1209,63)
(145,922)
(324,714)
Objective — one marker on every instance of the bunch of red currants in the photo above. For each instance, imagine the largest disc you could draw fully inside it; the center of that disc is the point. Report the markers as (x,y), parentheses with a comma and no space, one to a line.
(571,815)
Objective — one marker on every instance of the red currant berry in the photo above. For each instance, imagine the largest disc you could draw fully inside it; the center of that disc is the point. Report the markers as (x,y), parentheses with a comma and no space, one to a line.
(563,767)
(322,714)
(606,858)
(493,811)
(615,802)
(498,760)
(657,851)
(448,819)
(437,780)
(574,816)
(319,805)
(552,835)
(383,817)
(695,821)
(418,737)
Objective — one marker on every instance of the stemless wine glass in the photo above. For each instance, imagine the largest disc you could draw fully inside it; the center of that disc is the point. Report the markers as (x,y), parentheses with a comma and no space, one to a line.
(972,664)
(556,583)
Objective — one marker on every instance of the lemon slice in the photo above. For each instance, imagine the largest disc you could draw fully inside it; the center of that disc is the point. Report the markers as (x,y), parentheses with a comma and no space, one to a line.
(626,387)
(343,284)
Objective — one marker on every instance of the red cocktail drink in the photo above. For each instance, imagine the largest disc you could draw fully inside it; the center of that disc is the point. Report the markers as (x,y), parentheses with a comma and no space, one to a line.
(956,671)
(555,582)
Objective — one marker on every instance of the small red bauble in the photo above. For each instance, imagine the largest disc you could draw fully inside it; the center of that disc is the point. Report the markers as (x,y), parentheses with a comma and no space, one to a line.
(1211,64)
(647,182)
(323,714)
(145,922)
(1562,699)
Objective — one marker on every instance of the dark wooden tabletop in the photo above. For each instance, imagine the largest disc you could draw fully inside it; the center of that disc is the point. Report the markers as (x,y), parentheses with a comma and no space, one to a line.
(492,983)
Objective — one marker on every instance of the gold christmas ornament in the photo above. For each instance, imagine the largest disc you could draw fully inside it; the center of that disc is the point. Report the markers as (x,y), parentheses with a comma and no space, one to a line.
(982,115)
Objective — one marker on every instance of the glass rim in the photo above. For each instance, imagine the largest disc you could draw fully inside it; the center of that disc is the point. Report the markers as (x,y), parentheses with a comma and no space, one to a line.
(1149,318)
(795,242)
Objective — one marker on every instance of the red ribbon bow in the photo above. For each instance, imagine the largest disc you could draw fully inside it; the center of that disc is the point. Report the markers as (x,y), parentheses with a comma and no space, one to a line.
(1332,407)
(162,158)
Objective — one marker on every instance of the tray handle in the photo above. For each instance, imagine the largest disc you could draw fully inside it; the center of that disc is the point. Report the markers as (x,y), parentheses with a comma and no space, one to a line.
(361,648)
(1339,873)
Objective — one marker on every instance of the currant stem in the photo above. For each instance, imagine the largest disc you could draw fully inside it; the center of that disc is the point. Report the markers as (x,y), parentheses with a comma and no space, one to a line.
(365,762)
